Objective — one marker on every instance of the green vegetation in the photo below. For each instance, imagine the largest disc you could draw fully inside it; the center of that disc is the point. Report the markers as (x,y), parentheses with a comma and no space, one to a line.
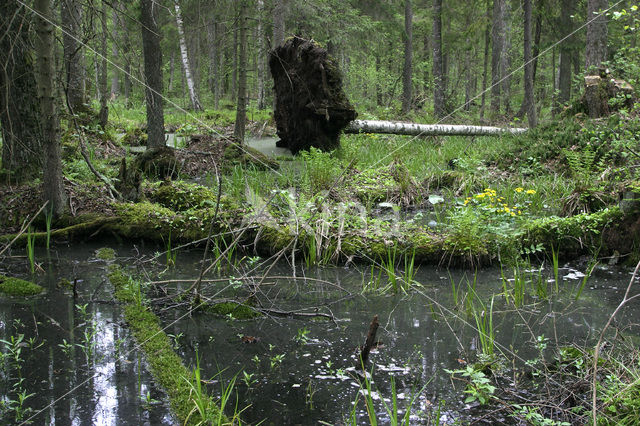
(18,287)
(166,367)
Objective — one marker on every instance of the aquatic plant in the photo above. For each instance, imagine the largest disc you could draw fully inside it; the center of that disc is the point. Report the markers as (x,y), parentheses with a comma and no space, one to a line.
(479,387)
(484,325)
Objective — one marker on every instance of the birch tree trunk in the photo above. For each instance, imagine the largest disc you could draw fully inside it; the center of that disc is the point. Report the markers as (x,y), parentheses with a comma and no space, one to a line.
(413,129)
(528,67)
(596,44)
(408,56)
(184,55)
(52,186)
(241,113)
(438,71)
(152,54)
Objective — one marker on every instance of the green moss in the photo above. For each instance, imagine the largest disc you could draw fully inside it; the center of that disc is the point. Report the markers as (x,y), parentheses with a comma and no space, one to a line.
(165,365)
(106,253)
(182,196)
(572,235)
(146,215)
(16,287)
(233,309)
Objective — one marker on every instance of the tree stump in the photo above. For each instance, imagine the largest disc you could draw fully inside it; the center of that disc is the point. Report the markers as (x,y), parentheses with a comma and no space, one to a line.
(311,106)
(604,94)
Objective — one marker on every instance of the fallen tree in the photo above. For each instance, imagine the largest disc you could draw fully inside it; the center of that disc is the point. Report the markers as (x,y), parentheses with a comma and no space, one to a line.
(413,129)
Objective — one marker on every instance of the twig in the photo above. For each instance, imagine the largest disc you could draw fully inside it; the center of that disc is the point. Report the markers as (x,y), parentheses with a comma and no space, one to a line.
(625,300)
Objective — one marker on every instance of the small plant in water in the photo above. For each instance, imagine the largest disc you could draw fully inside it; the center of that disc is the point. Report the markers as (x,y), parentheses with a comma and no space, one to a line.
(248,379)
(303,336)
(479,387)
(276,360)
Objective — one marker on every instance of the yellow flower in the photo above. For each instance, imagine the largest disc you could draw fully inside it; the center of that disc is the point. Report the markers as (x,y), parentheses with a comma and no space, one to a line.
(481,195)
(519,189)
(506,209)
(531,191)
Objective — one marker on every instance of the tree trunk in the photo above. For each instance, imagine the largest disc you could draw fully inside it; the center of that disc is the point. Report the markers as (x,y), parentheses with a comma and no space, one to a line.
(115,81)
(278,23)
(103,115)
(234,67)
(52,187)
(566,52)
(171,73)
(241,107)
(212,40)
(528,67)
(408,55)
(71,14)
(497,38)
(413,129)
(596,43)
(468,76)
(278,29)
(184,55)
(505,57)
(438,77)
(260,57)
(19,118)
(126,56)
(152,73)
(485,68)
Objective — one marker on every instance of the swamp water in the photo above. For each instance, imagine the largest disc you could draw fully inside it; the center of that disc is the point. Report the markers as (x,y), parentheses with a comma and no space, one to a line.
(82,366)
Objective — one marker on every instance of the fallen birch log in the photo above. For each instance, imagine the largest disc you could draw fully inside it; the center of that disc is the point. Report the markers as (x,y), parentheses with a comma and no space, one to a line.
(413,129)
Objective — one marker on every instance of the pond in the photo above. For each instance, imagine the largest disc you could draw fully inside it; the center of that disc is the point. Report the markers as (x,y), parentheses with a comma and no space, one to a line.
(79,365)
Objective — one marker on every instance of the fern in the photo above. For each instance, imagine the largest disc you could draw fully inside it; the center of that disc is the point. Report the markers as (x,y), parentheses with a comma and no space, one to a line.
(582,163)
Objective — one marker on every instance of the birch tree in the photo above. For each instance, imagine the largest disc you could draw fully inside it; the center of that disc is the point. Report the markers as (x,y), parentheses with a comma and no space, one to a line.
(184,56)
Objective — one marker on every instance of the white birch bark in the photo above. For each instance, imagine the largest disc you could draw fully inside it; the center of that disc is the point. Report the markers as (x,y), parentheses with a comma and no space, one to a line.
(413,129)
(195,102)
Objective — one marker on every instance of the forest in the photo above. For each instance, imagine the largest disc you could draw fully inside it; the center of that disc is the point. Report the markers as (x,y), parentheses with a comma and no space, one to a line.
(403,212)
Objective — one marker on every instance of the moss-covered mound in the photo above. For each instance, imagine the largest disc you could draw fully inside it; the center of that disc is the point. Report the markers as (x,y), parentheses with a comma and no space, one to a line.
(17,287)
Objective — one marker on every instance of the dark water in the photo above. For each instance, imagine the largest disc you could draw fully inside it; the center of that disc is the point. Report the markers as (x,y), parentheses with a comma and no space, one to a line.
(80,366)
(299,370)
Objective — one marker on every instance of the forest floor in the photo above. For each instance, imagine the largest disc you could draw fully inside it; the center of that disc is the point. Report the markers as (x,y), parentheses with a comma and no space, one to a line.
(452,200)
